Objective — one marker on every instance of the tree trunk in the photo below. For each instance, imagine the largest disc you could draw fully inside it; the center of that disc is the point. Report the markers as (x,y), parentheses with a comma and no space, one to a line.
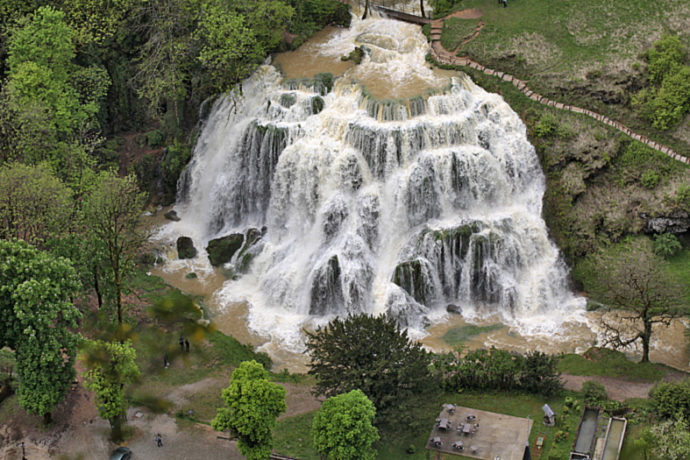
(421,6)
(96,287)
(366,10)
(116,429)
(646,337)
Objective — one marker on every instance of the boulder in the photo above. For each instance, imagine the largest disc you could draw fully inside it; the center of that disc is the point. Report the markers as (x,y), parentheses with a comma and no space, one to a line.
(172,215)
(221,250)
(455,309)
(185,248)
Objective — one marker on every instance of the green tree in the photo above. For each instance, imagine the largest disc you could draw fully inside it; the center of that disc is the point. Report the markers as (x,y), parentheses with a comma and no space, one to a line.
(165,59)
(672,439)
(229,49)
(44,116)
(36,320)
(34,205)
(343,429)
(112,212)
(392,371)
(635,280)
(253,404)
(110,366)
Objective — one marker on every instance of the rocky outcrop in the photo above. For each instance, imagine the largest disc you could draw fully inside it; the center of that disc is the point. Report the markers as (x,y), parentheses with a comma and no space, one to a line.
(185,248)
(676,222)
(221,250)
(455,309)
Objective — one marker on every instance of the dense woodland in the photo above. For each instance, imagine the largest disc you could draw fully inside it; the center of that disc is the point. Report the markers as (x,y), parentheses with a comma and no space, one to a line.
(82,78)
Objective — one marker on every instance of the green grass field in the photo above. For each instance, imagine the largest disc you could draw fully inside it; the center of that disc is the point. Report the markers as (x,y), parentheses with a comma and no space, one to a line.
(610,363)
(456,30)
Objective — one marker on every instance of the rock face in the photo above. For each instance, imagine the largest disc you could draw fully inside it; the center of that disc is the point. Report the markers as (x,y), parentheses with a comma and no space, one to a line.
(185,248)
(172,215)
(678,222)
(222,249)
(455,309)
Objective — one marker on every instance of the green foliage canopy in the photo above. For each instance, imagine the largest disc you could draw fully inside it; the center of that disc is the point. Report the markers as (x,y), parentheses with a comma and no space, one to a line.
(36,320)
(253,404)
(343,429)
(391,370)
(34,205)
(110,366)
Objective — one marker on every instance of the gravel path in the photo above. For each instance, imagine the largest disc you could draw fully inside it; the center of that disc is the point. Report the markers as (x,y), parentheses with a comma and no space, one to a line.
(617,388)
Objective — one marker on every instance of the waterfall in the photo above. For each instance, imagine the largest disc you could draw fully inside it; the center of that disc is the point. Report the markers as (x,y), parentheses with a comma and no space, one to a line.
(400,205)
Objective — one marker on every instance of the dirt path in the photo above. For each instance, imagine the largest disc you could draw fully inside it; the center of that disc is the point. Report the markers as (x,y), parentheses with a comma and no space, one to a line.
(617,388)
(444,56)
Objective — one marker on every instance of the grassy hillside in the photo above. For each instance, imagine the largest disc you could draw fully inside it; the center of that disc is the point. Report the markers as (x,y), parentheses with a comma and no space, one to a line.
(584,52)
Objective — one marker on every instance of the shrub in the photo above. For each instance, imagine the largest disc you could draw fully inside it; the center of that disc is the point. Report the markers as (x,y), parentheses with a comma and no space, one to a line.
(546,126)
(155,138)
(671,398)
(650,179)
(502,370)
(666,244)
(594,392)
(665,56)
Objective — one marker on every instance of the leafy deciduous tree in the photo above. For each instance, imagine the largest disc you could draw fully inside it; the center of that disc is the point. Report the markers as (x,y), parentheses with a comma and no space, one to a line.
(253,404)
(672,439)
(638,283)
(343,429)
(110,366)
(391,370)
(34,205)
(112,213)
(36,320)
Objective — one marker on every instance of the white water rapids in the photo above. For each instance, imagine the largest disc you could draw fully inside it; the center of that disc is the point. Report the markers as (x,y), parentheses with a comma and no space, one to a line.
(400,206)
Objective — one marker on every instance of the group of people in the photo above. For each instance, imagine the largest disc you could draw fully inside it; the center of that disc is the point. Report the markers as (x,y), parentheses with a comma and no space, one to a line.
(184,343)
(184,346)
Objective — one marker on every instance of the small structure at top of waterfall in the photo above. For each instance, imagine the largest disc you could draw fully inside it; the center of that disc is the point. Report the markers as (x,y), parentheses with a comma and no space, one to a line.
(549,415)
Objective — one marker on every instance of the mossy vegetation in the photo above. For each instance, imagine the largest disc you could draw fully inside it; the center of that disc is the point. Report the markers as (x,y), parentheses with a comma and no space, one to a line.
(461,334)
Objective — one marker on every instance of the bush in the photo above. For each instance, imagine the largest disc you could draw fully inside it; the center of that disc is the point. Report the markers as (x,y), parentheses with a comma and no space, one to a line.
(666,244)
(594,392)
(650,179)
(546,126)
(502,370)
(671,399)
(155,138)
(665,56)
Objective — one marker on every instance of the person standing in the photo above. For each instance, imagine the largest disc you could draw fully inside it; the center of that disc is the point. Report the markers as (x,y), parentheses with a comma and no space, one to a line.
(159,440)
(181,342)
(186,344)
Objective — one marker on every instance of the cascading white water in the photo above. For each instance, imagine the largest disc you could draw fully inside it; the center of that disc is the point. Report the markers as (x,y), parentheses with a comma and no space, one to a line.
(400,206)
